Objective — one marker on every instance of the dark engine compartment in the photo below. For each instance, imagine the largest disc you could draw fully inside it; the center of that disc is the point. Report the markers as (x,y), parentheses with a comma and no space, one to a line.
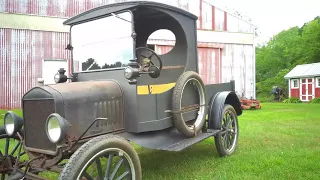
(80,103)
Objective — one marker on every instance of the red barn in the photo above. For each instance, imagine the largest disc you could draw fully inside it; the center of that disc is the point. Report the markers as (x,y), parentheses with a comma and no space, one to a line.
(304,81)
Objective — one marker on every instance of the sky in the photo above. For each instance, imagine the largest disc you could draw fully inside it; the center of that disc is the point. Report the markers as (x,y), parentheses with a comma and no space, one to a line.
(273,16)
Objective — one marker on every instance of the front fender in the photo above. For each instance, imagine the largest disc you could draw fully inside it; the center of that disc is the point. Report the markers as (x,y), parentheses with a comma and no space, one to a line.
(216,106)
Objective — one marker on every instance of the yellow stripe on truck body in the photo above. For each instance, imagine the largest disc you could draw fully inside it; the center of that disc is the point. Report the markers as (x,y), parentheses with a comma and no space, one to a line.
(154,89)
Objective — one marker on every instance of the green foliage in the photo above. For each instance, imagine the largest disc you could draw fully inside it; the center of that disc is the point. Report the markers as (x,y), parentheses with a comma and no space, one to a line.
(283,52)
(315,101)
(265,98)
(292,100)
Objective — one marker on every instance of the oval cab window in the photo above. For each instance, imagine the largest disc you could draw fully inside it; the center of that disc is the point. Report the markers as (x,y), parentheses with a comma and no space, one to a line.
(162,41)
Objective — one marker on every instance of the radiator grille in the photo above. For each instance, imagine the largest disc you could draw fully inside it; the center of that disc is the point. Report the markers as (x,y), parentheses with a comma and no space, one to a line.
(35,115)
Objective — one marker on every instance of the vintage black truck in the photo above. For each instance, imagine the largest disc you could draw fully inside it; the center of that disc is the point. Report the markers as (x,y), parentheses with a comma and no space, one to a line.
(82,126)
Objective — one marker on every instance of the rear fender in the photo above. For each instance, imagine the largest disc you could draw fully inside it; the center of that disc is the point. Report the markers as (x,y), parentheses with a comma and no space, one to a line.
(216,106)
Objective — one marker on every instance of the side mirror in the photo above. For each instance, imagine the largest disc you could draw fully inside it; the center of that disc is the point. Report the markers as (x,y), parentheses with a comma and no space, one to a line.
(60,77)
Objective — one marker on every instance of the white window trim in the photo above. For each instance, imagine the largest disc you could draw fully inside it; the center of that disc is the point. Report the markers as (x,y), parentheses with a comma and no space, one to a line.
(292,83)
(307,83)
(317,82)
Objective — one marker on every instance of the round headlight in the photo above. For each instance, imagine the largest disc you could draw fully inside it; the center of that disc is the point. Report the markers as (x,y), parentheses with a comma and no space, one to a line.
(12,123)
(54,129)
(128,72)
(9,124)
(57,78)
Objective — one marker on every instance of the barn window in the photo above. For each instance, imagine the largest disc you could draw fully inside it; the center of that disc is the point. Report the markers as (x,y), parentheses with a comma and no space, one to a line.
(295,83)
(318,82)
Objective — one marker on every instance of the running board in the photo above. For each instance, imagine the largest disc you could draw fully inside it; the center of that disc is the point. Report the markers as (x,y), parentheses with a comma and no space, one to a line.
(190,141)
(167,140)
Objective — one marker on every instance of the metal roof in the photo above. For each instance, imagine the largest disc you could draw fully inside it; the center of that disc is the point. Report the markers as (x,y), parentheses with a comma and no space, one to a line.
(304,70)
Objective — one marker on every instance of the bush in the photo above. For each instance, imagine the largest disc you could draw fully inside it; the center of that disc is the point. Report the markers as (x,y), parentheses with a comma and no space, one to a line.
(292,100)
(315,101)
(265,99)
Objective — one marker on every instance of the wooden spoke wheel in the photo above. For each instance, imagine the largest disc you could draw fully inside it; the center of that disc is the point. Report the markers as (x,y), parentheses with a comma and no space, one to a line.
(227,140)
(105,157)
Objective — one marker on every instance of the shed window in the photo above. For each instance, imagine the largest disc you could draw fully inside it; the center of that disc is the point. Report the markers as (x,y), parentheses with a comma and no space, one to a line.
(295,83)
(318,82)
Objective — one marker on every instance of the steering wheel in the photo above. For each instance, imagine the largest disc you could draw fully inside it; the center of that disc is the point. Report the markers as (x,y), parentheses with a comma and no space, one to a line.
(147,57)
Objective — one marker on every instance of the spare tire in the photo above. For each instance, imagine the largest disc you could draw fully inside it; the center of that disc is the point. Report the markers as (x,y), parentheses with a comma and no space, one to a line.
(178,120)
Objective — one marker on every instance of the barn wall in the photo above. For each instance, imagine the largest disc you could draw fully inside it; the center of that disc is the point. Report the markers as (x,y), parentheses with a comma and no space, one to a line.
(317,92)
(210,17)
(295,93)
(236,63)
(21,55)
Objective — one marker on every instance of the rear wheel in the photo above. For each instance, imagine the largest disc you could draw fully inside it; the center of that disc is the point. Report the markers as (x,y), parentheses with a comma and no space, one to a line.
(227,140)
(105,157)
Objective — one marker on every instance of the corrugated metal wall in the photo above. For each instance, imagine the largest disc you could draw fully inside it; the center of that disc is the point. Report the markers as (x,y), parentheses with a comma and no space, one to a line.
(21,55)
(210,17)
(219,65)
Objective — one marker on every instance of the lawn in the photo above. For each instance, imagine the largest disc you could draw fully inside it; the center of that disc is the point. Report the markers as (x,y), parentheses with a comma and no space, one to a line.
(280,141)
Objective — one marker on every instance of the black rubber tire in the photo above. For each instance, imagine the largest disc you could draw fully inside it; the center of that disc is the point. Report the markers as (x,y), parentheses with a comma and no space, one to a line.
(218,141)
(178,120)
(82,155)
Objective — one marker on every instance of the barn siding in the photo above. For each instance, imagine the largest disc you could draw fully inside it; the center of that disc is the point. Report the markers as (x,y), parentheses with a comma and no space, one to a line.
(21,55)
(210,18)
(295,93)
(237,63)
(317,92)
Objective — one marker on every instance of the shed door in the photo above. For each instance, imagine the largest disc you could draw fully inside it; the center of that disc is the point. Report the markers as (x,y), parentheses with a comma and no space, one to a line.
(50,68)
(307,87)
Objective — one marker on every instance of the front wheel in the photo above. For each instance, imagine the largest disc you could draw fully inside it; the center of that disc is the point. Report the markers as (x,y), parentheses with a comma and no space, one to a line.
(105,157)
(227,140)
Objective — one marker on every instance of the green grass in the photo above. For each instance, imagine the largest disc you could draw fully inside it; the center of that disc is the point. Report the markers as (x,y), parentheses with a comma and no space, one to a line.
(280,141)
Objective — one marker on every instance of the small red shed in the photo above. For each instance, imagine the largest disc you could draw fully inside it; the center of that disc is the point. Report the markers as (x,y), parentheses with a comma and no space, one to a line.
(304,81)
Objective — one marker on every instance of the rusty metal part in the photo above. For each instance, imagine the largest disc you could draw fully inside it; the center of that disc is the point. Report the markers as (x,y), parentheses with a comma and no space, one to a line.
(186,108)
(79,138)
(28,164)
(8,162)
(172,67)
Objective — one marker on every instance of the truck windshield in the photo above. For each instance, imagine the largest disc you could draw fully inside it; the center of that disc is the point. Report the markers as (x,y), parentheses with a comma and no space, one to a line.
(103,43)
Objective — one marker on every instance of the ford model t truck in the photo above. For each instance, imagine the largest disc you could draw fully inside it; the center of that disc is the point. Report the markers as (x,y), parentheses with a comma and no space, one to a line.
(122,92)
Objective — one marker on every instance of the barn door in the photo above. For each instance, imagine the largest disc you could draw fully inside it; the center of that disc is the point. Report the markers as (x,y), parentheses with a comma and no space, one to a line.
(209,62)
(306,86)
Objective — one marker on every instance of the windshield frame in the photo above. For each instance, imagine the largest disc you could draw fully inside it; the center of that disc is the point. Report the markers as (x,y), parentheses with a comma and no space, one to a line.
(109,69)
